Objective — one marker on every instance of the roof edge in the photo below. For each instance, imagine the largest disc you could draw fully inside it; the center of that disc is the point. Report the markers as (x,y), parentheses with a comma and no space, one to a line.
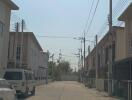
(124,14)
(12,5)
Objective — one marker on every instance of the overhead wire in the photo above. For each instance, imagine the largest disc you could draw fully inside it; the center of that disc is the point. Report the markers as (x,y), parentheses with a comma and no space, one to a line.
(117,9)
(92,18)
(89,15)
(120,4)
(54,36)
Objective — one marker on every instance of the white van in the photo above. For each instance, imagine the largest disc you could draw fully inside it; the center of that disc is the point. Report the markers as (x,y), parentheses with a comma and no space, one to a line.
(22,80)
(7,92)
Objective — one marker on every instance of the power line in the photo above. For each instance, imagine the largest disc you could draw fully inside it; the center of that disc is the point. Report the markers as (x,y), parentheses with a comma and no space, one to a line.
(119,6)
(68,56)
(89,15)
(92,17)
(54,36)
(46,36)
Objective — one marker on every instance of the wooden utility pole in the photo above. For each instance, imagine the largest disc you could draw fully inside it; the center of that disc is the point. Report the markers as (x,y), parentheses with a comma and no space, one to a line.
(52,65)
(110,17)
(96,38)
(16,40)
(81,56)
(84,41)
(89,49)
(21,57)
(111,57)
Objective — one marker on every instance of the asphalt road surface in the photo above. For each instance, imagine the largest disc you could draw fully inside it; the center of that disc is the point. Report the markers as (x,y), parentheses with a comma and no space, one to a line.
(67,91)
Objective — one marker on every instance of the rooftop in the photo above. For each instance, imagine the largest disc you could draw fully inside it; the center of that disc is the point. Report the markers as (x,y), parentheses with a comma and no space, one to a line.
(31,34)
(12,4)
(127,14)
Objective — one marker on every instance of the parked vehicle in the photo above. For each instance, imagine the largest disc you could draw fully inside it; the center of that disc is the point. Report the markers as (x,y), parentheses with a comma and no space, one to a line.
(7,92)
(23,81)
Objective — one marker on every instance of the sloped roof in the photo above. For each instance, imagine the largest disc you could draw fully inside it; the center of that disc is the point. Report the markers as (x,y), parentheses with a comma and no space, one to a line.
(127,14)
(12,4)
(30,34)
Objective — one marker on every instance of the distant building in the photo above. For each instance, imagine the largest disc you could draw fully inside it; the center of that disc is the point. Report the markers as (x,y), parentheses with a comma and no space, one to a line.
(5,12)
(31,53)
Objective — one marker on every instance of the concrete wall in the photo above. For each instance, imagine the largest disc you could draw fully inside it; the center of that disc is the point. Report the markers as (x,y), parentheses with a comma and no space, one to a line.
(100,85)
(69,77)
(37,59)
(120,42)
(4,37)
(128,33)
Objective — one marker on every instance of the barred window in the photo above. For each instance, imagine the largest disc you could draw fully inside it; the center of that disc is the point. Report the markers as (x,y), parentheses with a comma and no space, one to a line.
(1,28)
(18,53)
(130,43)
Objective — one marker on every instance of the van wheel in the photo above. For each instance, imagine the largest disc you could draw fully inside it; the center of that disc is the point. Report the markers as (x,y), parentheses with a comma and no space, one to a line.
(33,91)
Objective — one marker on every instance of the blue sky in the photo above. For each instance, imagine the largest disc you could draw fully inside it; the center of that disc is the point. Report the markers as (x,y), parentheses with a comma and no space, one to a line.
(61,18)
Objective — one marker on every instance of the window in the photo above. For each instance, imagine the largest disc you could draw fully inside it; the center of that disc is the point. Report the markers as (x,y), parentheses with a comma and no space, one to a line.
(13,76)
(130,26)
(130,43)
(18,53)
(28,76)
(106,55)
(1,28)
(99,60)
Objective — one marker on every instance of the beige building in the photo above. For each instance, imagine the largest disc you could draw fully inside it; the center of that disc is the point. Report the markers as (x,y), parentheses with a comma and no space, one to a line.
(30,56)
(120,47)
(127,18)
(5,11)
(106,46)
(114,58)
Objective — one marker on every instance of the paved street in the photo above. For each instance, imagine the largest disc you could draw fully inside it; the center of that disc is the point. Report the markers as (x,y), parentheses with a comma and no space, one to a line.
(66,91)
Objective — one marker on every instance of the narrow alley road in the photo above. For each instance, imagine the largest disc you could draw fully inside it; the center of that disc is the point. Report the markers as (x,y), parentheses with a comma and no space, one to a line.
(67,91)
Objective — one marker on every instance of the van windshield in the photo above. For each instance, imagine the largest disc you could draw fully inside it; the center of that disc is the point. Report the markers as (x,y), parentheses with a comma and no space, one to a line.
(13,76)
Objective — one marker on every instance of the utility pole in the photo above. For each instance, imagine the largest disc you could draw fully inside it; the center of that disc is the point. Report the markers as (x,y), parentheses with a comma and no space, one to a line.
(60,56)
(111,60)
(21,54)
(96,38)
(15,48)
(81,56)
(84,41)
(89,49)
(110,17)
(88,55)
(52,65)
(81,78)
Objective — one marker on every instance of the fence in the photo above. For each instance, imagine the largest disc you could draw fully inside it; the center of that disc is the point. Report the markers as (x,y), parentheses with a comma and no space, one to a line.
(123,89)
(90,82)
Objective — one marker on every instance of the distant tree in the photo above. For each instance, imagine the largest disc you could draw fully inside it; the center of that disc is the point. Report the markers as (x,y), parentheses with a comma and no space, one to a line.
(51,66)
(55,71)
(64,67)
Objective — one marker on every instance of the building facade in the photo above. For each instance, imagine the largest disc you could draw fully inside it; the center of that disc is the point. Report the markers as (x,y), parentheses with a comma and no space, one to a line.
(27,53)
(5,12)
(107,52)
(114,59)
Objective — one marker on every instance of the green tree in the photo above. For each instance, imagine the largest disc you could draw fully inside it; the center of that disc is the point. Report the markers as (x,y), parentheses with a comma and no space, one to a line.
(64,67)
(55,71)
(51,67)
